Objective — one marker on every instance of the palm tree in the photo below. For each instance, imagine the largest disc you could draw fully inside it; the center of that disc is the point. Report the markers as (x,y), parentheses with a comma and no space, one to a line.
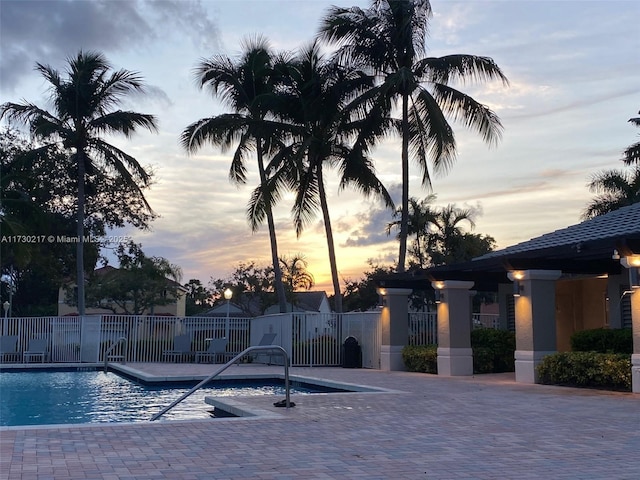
(296,275)
(389,38)
(330,127)
(247,86)
(448,224)
(632,153)
(84,110)
(615,189)
(422,216)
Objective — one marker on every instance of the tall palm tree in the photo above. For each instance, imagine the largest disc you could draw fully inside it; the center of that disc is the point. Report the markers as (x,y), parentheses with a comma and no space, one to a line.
(389,38)
(85,102)
(632,153)
(248,87)
(614,189)
(330,126)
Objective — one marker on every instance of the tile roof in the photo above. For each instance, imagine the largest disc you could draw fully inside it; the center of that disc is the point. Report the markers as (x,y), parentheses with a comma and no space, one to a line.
(624,221)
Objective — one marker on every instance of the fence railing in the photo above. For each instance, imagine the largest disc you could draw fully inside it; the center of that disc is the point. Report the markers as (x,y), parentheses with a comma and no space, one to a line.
(423,326)
(310,339)
(86,339)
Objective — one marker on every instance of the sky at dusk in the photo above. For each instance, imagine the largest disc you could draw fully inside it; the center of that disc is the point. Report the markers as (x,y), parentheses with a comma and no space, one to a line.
(574,72)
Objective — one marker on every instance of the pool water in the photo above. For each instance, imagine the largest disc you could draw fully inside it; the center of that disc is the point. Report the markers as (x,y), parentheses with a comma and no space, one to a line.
(48,398)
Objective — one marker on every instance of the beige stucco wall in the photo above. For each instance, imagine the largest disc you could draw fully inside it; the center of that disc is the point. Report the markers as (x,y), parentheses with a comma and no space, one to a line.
(580,305)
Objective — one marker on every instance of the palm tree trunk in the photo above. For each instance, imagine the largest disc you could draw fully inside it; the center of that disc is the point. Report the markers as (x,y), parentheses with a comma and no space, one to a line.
(275,259)
(332,251)
(404,219)
(80,233)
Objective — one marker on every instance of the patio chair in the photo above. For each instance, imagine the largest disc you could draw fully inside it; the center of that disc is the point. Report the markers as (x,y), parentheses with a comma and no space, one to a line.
(181,348)
(217,347)
(267,339)
(9,347)
(38,347)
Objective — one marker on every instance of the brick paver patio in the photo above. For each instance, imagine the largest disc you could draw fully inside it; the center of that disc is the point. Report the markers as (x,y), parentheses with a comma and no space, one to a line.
(485,427)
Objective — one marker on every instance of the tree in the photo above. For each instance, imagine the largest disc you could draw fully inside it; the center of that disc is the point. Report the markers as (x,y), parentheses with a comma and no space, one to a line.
(614,189)
(632,153)
(448,232)
(252,287)
(137,286)
(440,238)
(199,298)
(422,216)
(362,295)
(84,111)
(248,87)
(330,127)
(32,191)
(389,38)
(295,275)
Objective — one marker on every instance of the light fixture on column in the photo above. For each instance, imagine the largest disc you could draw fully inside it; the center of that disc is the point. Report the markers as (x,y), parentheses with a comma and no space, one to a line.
(634,277)
(632,263)
(517,288)
(438,295)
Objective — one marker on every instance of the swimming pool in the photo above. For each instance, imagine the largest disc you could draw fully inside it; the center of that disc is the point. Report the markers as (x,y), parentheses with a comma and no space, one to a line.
(72,397)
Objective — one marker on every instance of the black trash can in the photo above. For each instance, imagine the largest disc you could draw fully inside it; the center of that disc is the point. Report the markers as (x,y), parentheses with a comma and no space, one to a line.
(351,353)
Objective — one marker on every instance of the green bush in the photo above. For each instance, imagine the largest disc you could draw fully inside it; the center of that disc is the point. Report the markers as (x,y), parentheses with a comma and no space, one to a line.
(603,340)
(586,369)
(493,350)
(421,358)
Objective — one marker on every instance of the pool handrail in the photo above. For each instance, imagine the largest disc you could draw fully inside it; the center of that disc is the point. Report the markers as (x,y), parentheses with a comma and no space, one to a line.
(111,348)
(276,348)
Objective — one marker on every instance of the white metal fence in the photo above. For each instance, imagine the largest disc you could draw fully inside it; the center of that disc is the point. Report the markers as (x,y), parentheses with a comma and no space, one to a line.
(423,326)
(86,339)
(311,339)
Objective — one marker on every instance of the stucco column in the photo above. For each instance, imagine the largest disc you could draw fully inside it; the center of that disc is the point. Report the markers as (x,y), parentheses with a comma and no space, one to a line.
(535,311)
(395,327)
(634,262)
(455,356)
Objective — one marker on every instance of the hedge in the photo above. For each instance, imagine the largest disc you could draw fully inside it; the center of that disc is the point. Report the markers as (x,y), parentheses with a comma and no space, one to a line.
(586,369)
(603,340)
(493,350)
(421,358)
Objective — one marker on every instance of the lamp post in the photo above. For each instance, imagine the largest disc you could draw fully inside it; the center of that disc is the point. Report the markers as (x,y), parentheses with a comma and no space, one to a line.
(228,293)
(5,326)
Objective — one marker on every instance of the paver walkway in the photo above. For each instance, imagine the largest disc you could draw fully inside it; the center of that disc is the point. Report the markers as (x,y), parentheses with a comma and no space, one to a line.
(485,427)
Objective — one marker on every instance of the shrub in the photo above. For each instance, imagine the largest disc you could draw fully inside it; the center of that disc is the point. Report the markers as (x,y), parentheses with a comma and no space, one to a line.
(603,340)
(586,369)
(493,350)
(421,358)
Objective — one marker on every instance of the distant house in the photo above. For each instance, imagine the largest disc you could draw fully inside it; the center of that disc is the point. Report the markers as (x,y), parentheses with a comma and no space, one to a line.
(310,302)
(221,311)
(176,307)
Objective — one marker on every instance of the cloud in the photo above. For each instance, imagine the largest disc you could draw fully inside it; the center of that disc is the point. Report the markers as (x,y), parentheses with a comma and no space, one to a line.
(371,228)
(49,31)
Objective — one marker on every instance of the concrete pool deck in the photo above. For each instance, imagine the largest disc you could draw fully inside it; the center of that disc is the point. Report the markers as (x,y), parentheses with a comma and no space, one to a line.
(428,427)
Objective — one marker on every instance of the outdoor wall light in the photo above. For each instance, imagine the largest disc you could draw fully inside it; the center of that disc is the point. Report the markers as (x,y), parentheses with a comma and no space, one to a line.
(634,277)
(439,295)
(517,287)
(616,255)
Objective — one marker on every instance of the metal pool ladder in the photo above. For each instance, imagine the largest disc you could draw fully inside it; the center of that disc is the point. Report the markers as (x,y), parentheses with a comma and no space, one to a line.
(272,348)
(111,348)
